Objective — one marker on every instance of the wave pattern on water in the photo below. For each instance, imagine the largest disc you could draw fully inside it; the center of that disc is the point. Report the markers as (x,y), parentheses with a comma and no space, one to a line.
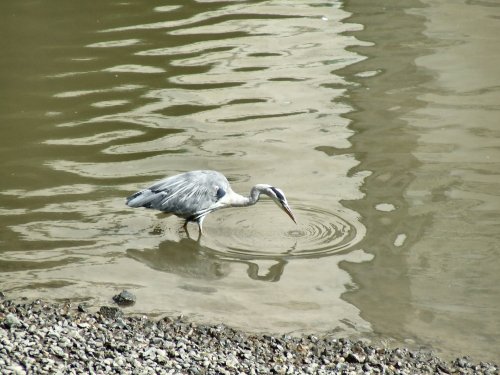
(245,88)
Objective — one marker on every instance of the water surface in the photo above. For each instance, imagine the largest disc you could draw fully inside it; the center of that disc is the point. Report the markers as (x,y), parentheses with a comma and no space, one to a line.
(379,121)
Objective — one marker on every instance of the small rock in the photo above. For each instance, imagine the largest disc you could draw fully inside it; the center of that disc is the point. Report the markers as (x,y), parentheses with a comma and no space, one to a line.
(462,362)
(110,312)
(121,323)
(64,342)
(355,358)
(125,298)
(58,351)
(150,353)
(443,368)
(11,320)
(16,369)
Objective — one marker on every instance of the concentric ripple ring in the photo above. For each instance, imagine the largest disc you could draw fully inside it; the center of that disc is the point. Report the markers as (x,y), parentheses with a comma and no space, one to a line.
(270,234)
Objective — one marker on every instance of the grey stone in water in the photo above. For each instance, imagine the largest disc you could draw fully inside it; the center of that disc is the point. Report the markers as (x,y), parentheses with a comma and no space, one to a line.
(125,298)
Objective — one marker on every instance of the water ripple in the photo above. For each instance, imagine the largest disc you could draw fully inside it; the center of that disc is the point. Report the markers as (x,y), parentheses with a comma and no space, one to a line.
(320,232)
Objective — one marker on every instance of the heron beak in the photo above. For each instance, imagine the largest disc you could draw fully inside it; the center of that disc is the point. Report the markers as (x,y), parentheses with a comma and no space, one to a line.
(289,212)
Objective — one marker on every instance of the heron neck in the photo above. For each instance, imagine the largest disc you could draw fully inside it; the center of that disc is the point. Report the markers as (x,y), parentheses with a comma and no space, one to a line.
(241,201)
(255,193)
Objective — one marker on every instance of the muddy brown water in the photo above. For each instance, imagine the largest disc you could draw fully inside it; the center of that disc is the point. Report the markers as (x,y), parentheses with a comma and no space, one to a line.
(380,121)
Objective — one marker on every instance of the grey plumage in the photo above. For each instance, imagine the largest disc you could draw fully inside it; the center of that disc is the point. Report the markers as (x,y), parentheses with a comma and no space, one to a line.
(193,195)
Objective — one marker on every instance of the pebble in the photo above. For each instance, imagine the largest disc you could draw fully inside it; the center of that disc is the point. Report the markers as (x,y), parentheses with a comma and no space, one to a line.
(110,312)
(11,321)
(125,298)
(43,338)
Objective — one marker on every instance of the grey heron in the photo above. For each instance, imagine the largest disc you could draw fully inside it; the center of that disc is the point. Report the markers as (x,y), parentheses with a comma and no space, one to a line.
(193,195)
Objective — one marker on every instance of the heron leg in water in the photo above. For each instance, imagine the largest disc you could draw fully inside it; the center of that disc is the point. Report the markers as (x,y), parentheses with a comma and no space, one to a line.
(200,227)
(200,224)
(185,227)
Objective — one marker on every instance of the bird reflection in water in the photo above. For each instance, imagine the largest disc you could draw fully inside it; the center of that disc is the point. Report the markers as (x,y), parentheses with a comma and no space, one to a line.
(184,258)
(188,258)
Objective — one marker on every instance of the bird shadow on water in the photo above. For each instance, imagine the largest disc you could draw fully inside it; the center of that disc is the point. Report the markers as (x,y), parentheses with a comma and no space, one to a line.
(189,258)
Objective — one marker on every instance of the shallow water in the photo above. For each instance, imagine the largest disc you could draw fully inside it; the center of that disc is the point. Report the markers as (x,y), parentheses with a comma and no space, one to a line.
(379,121)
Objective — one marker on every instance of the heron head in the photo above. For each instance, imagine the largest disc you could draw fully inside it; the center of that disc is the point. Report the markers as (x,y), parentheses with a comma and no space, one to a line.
(279,198)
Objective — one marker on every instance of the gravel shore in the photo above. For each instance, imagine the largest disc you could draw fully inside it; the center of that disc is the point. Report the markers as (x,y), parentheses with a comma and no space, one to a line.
(43,338)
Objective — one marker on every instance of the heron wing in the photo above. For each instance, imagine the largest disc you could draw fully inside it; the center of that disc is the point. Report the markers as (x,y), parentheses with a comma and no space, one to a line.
(186,195)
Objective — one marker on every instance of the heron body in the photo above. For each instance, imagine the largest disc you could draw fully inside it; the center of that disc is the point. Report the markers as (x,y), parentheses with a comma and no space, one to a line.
(193,195)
